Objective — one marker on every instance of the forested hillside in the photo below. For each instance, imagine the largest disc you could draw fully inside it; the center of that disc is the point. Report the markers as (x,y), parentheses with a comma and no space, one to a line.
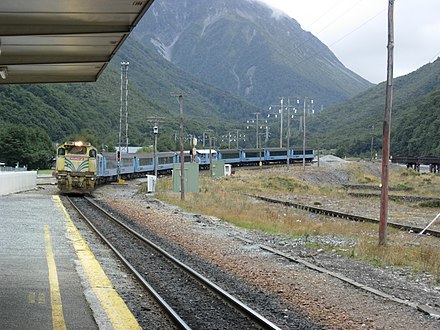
(415,117)
(64,110)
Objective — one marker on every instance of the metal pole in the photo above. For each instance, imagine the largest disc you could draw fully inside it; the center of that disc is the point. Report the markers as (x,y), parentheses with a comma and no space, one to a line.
(155,132)
(210,155)
(120,126)
(319,155)
(281,122)
(125,66)
(386,129)
(304,134)
(237,139)
(182,155)
(288,132)
(256,114)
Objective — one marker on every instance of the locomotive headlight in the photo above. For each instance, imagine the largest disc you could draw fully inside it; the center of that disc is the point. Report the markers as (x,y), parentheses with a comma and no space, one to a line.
(78,143)
(3,72)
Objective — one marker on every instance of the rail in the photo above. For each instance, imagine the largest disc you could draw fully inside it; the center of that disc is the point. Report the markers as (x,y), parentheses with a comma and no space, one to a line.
(225,296)
(347,216)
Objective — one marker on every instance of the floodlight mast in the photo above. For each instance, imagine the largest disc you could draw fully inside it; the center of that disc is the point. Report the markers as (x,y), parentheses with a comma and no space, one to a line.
(123,109)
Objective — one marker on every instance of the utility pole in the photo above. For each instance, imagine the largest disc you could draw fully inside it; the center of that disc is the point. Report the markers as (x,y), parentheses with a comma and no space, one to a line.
(386,129)
(237,138)
(210,153)
(304,134)
(304,128)
(252,123)
(257,133)
(288,132)
(180,97)
(281,121)
(258,138)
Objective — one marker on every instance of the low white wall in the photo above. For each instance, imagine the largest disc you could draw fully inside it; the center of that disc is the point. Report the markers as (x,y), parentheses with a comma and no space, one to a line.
(12,182)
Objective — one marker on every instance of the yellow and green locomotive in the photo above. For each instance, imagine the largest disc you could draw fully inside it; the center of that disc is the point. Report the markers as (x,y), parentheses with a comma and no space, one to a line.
(76,167)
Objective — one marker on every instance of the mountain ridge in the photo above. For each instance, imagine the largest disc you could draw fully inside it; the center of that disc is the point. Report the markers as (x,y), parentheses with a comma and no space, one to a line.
(352,125)
(240,46)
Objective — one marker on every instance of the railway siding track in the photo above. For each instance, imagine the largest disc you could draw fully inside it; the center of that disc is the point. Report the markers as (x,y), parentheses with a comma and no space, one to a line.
(191,300)
(420,307)
(407,199)
(347,216)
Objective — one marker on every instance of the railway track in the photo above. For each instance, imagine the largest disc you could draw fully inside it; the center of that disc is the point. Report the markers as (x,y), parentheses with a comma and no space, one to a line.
(347,216)
(189,299)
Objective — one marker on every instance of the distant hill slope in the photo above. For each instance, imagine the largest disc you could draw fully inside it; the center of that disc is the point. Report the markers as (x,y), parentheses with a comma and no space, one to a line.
(415,117)
(243,47)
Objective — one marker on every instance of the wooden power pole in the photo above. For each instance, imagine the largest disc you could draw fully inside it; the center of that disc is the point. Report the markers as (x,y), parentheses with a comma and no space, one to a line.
(182,154)
(386,129)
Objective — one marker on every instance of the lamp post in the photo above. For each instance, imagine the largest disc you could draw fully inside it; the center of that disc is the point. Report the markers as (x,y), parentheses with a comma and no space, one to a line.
(155,132)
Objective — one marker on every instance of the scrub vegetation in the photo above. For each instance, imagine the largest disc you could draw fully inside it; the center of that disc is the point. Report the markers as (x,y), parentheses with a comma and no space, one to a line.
(228,199)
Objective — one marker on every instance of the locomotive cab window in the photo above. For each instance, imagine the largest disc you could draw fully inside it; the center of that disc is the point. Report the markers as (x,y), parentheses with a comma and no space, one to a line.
(61,152)
(76,150)
(92,153)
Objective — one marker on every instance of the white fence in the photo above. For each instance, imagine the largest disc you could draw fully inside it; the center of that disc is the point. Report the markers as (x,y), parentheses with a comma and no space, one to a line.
(12,182)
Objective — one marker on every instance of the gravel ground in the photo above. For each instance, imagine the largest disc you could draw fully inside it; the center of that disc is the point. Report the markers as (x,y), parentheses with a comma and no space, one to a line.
(235,256)
(326,300)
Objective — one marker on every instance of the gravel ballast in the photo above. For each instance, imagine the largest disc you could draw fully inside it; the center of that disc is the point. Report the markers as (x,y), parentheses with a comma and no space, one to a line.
(234,255)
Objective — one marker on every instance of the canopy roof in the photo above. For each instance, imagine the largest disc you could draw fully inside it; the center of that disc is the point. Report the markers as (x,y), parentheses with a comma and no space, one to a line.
(44,41)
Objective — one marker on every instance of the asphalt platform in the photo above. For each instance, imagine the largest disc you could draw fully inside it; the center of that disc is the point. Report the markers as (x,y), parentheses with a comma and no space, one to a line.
(49,279)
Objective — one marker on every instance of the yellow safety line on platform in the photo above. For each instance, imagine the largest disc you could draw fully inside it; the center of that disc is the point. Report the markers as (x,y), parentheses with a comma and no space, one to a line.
(115,308)
(55,296)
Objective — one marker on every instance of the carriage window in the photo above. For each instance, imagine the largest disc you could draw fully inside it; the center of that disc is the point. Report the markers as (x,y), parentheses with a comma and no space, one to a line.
(92,153)
(61,152)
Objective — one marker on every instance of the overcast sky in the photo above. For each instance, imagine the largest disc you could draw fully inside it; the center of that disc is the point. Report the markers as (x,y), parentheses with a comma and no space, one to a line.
(356,31)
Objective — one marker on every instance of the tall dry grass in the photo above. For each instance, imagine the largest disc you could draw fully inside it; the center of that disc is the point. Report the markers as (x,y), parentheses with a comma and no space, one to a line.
(226,198)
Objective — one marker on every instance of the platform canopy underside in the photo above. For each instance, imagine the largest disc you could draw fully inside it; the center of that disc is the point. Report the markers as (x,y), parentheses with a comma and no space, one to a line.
(46,41)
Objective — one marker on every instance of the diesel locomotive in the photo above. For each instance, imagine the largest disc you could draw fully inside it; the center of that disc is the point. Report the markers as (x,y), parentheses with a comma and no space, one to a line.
(76,165)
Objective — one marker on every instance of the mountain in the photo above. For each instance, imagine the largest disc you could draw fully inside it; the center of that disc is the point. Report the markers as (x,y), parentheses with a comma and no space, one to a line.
(248,49)
(92,109)
(415,117)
